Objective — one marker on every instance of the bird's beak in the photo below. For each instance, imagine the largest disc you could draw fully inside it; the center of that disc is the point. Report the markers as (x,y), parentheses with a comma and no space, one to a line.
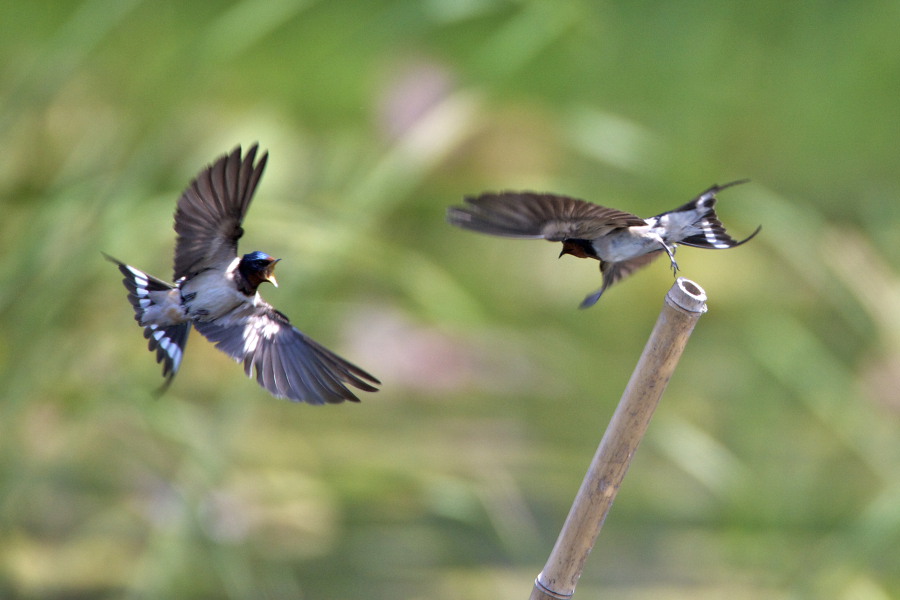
(270,272)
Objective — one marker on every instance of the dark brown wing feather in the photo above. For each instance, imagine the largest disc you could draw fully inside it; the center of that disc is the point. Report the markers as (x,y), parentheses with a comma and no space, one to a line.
(210,212)
(288,363)
(538,216)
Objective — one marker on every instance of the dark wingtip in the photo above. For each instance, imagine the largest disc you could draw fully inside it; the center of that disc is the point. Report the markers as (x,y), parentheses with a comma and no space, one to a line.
(590,300)
(237,153)
(454,215)
(251,155)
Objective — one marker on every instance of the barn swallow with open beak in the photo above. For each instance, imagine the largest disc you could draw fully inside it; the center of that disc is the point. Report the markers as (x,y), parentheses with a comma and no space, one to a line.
(215,291)
(621,241)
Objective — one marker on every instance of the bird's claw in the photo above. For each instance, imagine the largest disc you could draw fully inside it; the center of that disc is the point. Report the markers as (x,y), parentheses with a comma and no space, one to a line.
(670,250)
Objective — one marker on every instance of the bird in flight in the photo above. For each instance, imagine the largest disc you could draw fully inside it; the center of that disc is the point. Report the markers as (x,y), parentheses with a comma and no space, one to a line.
(621,241)
(215,291)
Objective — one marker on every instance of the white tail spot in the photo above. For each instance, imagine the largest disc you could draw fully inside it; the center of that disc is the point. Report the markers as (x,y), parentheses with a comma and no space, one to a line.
(710,235)
(175,354)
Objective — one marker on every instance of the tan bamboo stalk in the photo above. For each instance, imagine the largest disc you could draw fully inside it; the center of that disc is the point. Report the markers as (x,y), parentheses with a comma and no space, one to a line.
(684,304)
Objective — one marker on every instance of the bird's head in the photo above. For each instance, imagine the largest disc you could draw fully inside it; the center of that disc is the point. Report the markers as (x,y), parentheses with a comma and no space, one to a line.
(258,267)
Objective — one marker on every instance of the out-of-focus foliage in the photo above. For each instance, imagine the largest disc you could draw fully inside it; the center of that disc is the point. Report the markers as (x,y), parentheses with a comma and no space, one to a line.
(772,467)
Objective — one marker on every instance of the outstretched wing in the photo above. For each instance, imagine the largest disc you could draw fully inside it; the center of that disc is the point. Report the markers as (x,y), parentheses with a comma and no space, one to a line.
(211,209)
(288,363)
(617,271)
(538,216)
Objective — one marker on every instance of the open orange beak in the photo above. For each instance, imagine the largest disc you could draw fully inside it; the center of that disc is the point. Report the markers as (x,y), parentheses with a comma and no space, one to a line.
(270,272)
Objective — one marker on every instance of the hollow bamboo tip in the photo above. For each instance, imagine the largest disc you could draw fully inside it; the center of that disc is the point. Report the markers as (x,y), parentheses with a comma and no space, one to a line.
(687,296)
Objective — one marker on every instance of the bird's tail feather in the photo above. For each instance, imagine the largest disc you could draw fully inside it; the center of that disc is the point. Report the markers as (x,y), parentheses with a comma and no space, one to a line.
(167,340)
(711,232)
(169,343)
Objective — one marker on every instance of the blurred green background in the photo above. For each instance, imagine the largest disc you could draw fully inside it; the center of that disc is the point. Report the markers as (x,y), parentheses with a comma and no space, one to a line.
(772,467)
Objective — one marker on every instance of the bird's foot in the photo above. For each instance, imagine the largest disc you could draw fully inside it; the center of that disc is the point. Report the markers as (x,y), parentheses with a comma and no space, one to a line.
(670,250)
(674,268)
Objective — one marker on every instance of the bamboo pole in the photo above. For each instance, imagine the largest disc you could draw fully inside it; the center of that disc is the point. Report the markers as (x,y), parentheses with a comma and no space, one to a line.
(684,304)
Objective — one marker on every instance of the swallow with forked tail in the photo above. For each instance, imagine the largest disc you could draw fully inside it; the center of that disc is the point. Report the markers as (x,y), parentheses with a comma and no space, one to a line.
(215,291)
(621,241)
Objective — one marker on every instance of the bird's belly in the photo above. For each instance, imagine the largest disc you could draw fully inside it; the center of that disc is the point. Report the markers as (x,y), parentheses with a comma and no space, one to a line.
(208,297)
(625,244)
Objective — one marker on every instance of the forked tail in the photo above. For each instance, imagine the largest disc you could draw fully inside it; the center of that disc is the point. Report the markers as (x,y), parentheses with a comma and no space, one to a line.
(167,340)
(709,231)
